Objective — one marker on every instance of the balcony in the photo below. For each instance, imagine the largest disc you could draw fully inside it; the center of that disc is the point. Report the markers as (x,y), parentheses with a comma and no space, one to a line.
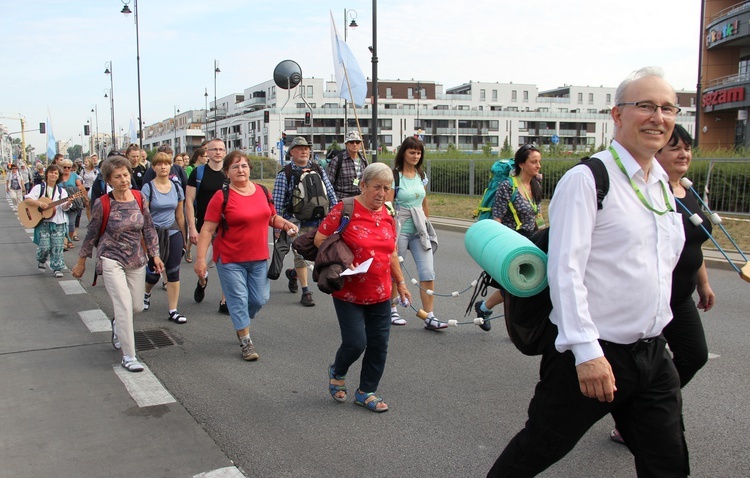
(729,27)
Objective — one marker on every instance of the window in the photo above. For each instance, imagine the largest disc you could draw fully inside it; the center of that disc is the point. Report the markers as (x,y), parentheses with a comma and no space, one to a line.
(310,91)
(591,98)
(609,98)
(494,95)
(494,125)
(482,95)
(422,93)
(514,95)
(525,96)
(389,92)
(580,98)
(410,93)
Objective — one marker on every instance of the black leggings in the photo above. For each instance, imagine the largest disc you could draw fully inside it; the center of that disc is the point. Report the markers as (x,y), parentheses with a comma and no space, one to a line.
(686,339)
(171,265)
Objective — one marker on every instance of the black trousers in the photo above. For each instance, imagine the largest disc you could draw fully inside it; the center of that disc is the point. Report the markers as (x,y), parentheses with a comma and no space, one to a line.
(647,410)
(686,339)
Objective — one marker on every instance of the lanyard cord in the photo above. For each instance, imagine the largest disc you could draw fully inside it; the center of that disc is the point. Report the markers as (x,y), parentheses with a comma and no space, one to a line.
(637,190)
(518,185)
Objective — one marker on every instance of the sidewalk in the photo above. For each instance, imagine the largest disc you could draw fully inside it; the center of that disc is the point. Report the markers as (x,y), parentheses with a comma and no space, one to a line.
(713,257)
(65,408)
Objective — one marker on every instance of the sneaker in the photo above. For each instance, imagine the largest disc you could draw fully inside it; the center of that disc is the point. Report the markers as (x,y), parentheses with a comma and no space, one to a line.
(146,301)
(223,309)
(432,323)
(249,353)
(115,338)
(291,274)
(177,318)
(200,291)
(486,326)
(58,274)
(615,436)
(42,266)
(132,365)
(307,299)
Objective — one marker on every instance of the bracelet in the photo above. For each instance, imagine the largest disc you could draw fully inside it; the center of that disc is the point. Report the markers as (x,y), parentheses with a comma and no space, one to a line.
(273,219)
(400,282)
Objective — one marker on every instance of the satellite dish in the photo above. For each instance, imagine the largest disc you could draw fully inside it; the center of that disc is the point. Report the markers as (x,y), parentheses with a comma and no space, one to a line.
(287,74)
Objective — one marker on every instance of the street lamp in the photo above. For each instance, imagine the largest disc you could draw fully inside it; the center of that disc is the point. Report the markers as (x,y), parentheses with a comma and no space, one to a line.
(374,51)
(205,121)
(176,112)
(353,24)
(126,11)
(95,110)
(216,108)
(108,70)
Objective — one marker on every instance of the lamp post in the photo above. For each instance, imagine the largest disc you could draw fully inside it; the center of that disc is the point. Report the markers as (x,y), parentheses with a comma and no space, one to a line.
(176,111)
(108,70)
(205,121)
(374,51)
(126,11)
(216,107)
(95,110)
(353,24)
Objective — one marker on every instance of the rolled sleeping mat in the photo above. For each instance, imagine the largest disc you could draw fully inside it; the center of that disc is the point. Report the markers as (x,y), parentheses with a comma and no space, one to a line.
(510,258)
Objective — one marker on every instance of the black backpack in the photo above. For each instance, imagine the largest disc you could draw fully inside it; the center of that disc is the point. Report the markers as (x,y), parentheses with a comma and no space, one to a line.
(309,201)
(527,318)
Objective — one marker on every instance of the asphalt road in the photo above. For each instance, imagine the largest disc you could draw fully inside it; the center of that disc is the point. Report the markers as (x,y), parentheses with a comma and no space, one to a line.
(456,396)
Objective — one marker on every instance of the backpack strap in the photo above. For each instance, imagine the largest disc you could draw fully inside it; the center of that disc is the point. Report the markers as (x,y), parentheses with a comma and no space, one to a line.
(223,220)
(514,184)
(346,214)
(198,178)
(601,178)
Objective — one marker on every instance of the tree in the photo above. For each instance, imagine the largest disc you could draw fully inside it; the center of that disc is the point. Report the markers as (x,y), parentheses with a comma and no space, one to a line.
(75,152)
(487,150)
(506,151)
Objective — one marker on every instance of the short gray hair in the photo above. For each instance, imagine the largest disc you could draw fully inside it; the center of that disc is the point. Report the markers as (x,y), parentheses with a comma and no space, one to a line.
(112,163)
(645,72)
(377,171)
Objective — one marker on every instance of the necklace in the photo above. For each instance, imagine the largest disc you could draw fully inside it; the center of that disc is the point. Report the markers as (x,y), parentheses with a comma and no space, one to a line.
(637,190)
(377,216)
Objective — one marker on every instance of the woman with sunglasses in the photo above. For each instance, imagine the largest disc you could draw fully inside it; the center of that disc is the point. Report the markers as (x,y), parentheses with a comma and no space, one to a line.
(518,205)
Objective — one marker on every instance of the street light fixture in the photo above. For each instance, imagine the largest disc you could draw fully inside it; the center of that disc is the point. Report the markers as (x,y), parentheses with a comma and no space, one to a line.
(108,71)
(216,108)
(205,97)
(126,11)
(95,110)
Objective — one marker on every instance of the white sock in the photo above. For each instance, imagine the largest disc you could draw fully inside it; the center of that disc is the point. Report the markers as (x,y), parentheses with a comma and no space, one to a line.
(430,315)
(394,310)
(245,340)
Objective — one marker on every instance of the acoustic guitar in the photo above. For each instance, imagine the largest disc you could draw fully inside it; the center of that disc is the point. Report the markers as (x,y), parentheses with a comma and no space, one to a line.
(30,215)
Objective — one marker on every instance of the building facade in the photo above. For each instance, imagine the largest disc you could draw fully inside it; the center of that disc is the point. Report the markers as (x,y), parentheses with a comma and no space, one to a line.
(466,117)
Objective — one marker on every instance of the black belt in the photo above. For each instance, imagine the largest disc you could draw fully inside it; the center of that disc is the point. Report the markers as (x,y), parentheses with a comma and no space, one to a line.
(637,345)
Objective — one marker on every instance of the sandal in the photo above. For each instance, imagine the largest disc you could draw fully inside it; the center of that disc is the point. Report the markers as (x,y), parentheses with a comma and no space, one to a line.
(333,389)
(369,401)
(396,319)
(132,365)
(177,318)
(75,237)
(71,245)
(188,257)
(431,323)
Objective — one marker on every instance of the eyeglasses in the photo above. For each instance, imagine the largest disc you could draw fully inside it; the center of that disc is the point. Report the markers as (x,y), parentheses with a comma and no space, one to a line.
(648,108)
(66,167)
(527,147)
(220,150)
(356,142)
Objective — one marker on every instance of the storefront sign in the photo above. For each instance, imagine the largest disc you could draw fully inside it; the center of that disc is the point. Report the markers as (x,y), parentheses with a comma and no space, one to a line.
(725,31)
(726,95)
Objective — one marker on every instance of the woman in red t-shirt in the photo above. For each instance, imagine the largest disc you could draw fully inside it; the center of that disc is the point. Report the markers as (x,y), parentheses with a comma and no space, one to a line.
(363,305)
(241,245)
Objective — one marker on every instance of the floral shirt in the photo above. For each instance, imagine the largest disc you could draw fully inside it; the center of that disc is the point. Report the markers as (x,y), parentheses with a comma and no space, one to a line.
(527,211)
(121,240)
(368,235)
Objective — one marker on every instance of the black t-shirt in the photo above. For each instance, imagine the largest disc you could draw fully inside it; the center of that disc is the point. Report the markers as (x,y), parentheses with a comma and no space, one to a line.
(212,181)
(691,259)
(138,173)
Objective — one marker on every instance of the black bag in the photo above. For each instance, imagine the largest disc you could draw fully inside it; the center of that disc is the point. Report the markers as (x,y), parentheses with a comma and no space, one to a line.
(77,204)
(280,250)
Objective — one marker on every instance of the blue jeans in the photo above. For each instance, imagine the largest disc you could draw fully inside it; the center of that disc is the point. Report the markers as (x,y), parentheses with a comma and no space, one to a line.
(422,258)
(364,328)
(246,289)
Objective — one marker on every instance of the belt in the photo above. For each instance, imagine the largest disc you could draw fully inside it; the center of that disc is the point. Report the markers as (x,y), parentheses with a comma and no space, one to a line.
(635,346)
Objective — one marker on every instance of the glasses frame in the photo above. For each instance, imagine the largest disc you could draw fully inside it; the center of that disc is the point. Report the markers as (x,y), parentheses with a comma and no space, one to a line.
(640,105)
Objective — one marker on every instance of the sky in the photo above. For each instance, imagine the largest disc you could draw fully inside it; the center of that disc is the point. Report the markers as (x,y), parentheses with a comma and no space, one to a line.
(55,52)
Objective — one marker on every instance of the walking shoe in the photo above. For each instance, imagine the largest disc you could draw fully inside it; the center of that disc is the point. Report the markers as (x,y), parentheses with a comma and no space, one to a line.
(200,291)
(177,318)
(291,274)
(146,301)
(486,326)
(115,338)
(58,274)
(431,323)
(307,299)
(249,353)
(223,309)
(396,319)
(615,436)
(132,365)
(42,266)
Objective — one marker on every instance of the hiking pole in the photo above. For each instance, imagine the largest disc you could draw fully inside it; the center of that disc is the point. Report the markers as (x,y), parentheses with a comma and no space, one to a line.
(715,219)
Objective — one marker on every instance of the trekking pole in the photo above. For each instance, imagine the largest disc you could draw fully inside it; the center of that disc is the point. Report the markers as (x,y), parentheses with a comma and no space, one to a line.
(744,272)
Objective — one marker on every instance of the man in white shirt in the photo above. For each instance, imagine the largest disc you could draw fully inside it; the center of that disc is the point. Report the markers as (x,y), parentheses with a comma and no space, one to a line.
(610,274)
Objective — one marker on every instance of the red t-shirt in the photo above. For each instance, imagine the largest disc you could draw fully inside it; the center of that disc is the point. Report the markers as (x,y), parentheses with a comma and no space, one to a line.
(247,217)
(366,239)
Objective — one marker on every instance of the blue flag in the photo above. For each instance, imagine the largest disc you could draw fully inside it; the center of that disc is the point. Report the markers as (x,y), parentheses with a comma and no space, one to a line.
(349,75)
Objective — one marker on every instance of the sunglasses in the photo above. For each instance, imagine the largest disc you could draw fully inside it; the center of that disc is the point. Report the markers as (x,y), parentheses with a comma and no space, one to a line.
(66,167)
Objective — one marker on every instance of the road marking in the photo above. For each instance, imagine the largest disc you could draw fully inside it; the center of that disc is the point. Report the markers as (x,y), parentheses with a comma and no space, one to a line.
(72,287)
(96,320)
(713,356)
(29,231)
(144,387)
(228,472)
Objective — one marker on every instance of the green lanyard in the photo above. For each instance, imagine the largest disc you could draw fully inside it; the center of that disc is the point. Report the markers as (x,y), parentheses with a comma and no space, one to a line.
(638,191)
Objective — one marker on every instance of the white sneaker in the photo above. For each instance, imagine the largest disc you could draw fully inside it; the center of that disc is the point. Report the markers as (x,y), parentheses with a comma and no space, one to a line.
(58,274)
(42,266)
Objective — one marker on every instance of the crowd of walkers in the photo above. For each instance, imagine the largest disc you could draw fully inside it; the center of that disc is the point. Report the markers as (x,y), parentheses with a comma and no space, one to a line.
(146,216)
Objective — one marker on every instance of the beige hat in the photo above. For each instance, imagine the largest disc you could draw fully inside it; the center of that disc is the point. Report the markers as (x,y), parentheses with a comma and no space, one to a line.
(352,136)
(299,141)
